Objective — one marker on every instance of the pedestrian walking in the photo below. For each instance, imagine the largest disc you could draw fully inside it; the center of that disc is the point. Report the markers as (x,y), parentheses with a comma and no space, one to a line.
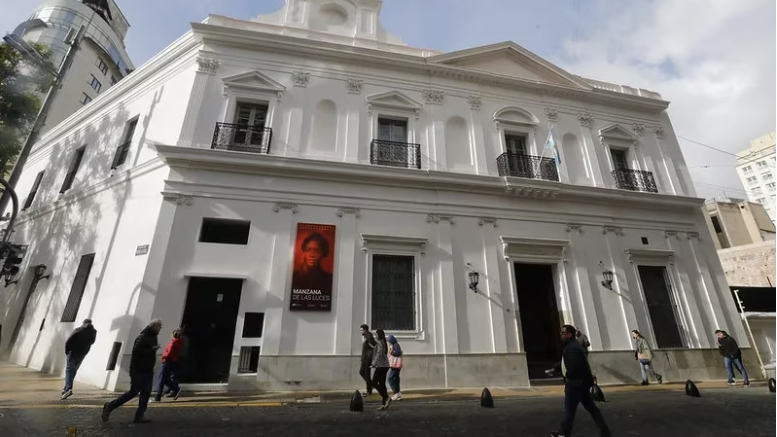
(644,355)
(578,381)
(381,364)
(169,370)
(76,348)
(368,344)
(732,356)
(141,373)
(395,366)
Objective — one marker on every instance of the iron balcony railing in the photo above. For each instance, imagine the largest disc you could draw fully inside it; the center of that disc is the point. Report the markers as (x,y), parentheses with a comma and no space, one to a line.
(395,154)
(635,180)
(527,166)
(241,138)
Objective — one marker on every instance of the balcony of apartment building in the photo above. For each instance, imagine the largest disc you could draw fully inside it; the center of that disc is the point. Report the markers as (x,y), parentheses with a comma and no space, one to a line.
(248,133)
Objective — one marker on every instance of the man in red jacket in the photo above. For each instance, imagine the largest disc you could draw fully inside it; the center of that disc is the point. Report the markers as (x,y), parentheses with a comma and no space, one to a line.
(169,367)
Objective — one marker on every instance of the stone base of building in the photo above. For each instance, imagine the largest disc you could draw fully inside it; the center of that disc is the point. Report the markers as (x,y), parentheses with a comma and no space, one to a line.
(313,373)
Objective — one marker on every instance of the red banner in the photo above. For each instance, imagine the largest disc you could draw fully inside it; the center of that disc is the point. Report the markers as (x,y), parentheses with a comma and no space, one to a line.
(314,254)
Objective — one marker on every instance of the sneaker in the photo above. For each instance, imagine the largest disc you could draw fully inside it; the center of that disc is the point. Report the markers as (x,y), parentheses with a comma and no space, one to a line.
(366,393)
(746,384)
(106,411)
(397,397)
(169,394)
(386,405)
(176,394)
(660,379)
(141,419)
(731,382)
(66,394)
(157,399)
(644,383)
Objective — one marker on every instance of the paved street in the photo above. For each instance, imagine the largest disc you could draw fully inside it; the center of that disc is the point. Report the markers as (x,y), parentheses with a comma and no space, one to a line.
(720,412)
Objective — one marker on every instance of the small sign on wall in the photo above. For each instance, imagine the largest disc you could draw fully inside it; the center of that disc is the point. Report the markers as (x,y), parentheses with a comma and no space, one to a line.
(141,250)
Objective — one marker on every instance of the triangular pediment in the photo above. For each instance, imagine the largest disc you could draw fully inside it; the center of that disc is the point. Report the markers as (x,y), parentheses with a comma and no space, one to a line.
(617,132)
(511,60)
(394,99)
(253,80)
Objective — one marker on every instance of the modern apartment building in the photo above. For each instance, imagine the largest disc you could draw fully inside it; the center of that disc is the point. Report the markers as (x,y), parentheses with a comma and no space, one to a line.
(756,169)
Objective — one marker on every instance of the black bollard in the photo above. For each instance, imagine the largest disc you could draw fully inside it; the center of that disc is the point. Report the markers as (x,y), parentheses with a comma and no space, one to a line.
(486,400)
(597,394)
(771,385)
(691,390)
(357,404)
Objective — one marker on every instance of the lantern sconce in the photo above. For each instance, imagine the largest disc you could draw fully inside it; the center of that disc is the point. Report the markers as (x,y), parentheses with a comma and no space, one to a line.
(607,275)
(474,278)
(40,272)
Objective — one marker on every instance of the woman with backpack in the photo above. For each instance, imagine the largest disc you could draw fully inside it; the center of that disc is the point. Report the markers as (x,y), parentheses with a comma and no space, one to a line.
(643,354)
(395,366)
(381,364)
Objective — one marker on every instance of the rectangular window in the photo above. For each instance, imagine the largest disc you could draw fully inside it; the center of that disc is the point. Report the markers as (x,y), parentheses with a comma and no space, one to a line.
(619,159)
(77,289)
(757,190)
(253,325)
(770,186)
(393,292)
(113,81)
(716,225)
(515,144)
(767,176)
(224,231)
(752,179)
(392,130)
(33,191)
(71,172)
(102,66)
(747,169)
(761,164)
(95,84)
(251,119)
(85,99)
(661,307)
(761,200)
(121,152)
(249,359)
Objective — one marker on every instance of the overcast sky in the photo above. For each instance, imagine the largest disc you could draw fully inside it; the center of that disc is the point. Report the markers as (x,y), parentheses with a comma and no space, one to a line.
(713,59)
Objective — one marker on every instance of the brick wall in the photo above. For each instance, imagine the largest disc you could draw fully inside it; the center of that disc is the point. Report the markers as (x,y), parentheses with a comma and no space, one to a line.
(752,265)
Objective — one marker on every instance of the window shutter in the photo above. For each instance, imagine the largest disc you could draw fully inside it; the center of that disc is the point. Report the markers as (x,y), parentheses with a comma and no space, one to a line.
(33,191)
(77,289)
(71,173)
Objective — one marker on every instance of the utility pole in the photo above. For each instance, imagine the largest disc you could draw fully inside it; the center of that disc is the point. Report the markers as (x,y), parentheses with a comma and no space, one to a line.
(59,77)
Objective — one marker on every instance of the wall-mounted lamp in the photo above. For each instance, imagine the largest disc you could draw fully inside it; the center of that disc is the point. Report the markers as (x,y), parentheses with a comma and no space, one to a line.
(474,278)
(40,272)
(607,282)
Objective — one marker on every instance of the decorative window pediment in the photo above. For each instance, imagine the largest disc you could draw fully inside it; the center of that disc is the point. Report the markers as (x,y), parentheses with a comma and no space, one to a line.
(534,249)
(650,256)
(393,242)
(394,100)
(616,133)
(255,81)
(515,116)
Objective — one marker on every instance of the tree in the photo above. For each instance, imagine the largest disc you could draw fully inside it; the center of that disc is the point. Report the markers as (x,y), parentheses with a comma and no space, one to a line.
(21,86)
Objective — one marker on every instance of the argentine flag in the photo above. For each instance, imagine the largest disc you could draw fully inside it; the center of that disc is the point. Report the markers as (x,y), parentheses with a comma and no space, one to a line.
(551,145)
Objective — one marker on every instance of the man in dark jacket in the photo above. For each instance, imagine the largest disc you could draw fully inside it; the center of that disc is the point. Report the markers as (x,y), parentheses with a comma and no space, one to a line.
(76,348)
(578,381)
(366,361)
(729,348)
(141,372)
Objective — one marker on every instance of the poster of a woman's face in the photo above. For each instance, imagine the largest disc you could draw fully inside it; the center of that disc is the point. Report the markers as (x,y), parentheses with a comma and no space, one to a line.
(311,285)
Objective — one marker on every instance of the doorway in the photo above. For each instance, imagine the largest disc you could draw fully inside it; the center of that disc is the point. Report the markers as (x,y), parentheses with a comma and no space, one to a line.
(210,317)
(540,322)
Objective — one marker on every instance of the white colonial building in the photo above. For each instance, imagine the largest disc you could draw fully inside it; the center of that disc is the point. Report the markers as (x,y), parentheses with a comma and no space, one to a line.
(187,192)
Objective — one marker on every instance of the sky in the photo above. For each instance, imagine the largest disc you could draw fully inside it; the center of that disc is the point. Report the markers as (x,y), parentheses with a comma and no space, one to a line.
(714,60)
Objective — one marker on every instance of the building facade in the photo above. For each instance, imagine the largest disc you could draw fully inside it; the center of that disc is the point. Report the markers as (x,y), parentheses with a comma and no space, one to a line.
(274,183)
(756,169)
(101,61)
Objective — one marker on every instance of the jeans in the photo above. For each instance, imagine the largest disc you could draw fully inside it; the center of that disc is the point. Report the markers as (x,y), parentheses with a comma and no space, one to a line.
(140,384)
(727,362)
(73,363)
(580,394)
(379,382)
(393,380)
(167,377)
(644,367)
(365,373)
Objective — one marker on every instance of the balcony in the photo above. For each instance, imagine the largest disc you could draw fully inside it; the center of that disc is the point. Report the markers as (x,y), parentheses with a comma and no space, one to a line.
(527,166)
(635,180)
(395,154)
(241,138)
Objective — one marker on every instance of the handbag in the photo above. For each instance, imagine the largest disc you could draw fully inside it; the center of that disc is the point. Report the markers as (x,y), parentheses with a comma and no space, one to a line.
(395,362)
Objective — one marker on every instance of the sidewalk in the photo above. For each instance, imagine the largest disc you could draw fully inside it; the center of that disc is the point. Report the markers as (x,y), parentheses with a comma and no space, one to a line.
(24,388)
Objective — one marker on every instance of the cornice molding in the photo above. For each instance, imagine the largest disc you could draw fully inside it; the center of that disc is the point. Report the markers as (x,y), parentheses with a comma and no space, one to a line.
(293,207)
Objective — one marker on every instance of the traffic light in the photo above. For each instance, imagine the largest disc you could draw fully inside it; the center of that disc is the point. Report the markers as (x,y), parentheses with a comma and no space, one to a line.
(13,254)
